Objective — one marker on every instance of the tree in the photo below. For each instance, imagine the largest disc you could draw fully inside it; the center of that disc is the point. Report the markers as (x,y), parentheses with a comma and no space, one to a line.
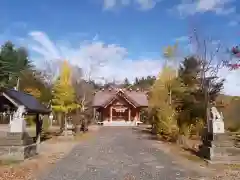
(163,115)
(126,83)
(32,81)
(84,96)
(63,93)
(191,106)
(13,62)
(211,56)
(171,53)
(34,92)
(143,83)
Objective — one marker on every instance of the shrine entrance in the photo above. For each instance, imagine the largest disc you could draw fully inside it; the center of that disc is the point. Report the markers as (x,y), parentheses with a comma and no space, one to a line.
(121,108)
(120,113)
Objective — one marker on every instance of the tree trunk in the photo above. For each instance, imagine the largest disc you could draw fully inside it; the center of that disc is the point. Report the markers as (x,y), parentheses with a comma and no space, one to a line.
(170,97)
(65,124)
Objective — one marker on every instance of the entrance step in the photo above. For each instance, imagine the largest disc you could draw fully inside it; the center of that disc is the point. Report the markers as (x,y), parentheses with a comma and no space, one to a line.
(119,123)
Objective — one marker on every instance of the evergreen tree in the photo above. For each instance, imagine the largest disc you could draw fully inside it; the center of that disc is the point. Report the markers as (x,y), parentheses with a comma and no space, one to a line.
(13,62)
(191,100)
(126,83)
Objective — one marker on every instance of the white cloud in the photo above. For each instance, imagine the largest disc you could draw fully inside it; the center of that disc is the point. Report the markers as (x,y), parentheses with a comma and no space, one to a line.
(220,7)
(117,65)
(232,83)
(142,4)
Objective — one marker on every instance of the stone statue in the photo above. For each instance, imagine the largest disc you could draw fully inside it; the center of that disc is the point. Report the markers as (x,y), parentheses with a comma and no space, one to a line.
(18,123)
(215,115)
(215,121)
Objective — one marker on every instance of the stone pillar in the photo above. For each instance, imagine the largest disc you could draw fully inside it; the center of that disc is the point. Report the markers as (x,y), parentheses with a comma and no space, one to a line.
(129,114)
(17,143)
(217,146)
(110,113)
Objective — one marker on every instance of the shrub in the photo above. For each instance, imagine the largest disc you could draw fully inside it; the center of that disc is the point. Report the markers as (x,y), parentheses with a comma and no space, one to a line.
(46,123)
(30,120)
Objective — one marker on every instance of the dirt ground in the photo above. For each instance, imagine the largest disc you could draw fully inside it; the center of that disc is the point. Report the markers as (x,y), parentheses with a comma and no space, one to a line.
(51,151)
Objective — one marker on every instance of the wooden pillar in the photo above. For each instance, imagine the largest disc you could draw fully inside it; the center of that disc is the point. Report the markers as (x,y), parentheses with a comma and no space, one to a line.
(38,131)
(137,115)
(129,114)
(110,113)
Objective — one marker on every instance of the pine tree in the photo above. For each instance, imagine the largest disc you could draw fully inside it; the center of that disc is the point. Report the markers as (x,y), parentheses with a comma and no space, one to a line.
(13,62)
(126,83)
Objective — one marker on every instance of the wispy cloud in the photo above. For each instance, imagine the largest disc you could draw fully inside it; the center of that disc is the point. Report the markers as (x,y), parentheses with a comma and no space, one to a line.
(182,39)
(220,7)
(89,54)
(141,4)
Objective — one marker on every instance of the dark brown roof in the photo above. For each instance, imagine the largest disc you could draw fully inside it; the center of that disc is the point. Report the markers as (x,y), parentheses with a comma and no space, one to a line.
(31,103)
(138,98)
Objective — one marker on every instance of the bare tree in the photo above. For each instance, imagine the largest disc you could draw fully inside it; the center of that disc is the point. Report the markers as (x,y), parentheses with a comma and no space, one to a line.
(50,71)
(211,55)
(84,89)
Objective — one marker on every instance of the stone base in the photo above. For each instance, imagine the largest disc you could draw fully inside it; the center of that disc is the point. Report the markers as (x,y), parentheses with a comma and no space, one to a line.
(219,148)
(17,153)
(16,146)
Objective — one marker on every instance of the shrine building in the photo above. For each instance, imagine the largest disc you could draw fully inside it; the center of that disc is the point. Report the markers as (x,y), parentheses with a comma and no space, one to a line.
(114,106)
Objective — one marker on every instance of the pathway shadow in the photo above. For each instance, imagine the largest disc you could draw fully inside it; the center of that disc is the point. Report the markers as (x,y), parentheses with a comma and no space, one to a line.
(192,151)
(48,135)
(145,133)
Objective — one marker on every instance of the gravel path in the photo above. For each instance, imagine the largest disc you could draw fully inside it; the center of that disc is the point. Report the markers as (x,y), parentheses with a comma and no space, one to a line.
(117,154)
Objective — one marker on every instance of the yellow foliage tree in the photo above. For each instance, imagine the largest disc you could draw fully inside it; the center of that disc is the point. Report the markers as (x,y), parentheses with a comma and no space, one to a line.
(170,53)
(63,92)
(164,114)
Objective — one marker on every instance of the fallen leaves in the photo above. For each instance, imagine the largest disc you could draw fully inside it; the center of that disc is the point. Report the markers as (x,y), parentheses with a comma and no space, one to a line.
(29,169)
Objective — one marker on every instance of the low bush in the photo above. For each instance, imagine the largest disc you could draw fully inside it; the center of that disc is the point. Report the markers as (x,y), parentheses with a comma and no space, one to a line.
(30,120)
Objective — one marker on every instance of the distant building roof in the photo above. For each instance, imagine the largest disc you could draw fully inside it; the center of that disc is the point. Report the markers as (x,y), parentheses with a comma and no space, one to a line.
(28,101)
(138,98)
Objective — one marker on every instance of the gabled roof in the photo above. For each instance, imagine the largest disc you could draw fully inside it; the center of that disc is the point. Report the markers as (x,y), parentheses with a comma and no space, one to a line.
(19,98)
(102,97)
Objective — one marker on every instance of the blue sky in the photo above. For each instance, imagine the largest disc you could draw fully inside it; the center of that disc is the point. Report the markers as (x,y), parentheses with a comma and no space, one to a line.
(127,36)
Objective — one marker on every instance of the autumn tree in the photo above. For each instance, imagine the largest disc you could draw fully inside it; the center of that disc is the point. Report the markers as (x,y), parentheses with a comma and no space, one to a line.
(171,54)
(32,81)
(163,115)
(63,93)
(33,91)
